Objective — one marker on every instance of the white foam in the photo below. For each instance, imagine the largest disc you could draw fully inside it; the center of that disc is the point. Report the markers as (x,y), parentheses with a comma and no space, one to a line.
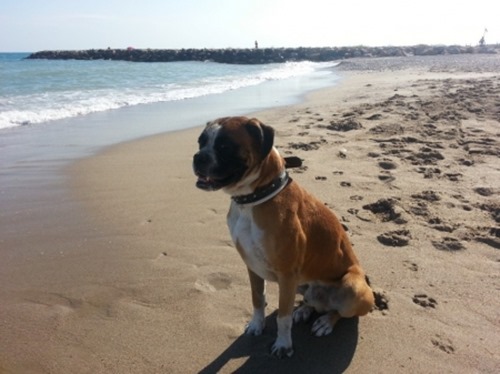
(49,106)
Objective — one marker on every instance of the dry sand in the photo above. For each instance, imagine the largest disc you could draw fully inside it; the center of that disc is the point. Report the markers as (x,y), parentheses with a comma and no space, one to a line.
(134,271)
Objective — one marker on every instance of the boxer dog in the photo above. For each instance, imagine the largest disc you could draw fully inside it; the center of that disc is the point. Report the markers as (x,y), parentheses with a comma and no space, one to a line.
(282,233)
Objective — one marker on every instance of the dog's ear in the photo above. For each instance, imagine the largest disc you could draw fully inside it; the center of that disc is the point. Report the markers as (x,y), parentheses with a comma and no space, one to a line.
(218,120)
(262,134)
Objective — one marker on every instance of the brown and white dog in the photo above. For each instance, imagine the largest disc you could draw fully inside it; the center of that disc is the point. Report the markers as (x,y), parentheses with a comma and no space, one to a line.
(282,233)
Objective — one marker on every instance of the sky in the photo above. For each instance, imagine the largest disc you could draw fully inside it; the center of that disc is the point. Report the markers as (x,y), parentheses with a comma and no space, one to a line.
(34,25)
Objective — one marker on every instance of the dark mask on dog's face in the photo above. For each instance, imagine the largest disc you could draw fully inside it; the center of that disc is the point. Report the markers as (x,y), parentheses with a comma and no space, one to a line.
(228,148)
(218,162)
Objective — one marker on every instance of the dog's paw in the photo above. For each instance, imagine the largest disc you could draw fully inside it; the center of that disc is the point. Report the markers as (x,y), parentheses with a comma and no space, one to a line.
(255,326)
(282,349)
(302,313)
(322,326)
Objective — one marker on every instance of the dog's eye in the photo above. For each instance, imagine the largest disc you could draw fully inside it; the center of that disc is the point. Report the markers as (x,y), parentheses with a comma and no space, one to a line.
(224,148)
(223,145)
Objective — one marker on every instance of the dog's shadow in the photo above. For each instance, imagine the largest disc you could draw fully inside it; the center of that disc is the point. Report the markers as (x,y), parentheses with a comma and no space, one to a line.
(329,354)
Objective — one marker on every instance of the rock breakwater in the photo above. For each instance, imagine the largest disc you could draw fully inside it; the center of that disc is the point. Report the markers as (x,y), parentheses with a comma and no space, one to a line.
(256,56)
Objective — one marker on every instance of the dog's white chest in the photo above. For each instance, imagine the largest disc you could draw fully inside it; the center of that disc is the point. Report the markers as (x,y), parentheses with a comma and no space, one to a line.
(250,238)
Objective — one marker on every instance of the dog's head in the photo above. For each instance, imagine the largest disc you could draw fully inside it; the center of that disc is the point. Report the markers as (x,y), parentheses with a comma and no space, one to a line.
(230,151)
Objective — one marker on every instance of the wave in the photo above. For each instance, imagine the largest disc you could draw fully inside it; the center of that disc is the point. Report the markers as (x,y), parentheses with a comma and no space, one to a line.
(35,108)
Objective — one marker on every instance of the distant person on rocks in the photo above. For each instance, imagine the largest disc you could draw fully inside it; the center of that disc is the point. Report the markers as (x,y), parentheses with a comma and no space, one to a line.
(256,44)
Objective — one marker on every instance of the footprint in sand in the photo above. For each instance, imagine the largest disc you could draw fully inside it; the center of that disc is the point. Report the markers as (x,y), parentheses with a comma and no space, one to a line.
(492,208)
(398,238)
(386,177)
(454,177)
(55,304)
(214,282)
(484,191)
(387,165)
(492,242)
(448,244)
(430,196)
(298,170)
(429,172)
(220,281)
(425,156)
(344,125)
(411,265)
(465,162)
(424,301)
(387,129)
(374,117)
(311,146)
(437,224)
(419,209)
(356,198)
(444,344)
(486,235)
(381,302)
(385,209)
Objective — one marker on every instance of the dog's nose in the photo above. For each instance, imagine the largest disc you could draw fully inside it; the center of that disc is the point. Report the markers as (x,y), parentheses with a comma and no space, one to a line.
(201,158)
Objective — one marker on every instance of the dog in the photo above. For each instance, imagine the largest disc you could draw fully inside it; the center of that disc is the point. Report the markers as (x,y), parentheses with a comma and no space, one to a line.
(282,233)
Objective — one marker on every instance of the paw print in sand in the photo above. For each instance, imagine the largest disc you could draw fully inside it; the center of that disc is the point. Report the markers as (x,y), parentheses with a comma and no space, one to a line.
(444,344)
(424,301)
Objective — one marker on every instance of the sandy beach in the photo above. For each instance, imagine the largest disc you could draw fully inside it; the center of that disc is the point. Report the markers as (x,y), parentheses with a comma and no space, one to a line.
(128,268)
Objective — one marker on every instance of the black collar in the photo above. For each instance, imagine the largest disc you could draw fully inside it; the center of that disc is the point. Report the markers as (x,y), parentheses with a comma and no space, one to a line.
(265,193)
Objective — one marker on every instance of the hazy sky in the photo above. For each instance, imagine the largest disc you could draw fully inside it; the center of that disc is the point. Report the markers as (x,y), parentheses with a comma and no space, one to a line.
(33,25)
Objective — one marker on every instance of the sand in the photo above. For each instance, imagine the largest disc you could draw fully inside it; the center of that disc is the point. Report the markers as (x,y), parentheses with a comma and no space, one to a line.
(131,268)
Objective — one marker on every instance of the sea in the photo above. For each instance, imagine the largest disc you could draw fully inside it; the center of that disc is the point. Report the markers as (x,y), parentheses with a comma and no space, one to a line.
(33,92)
(53,112)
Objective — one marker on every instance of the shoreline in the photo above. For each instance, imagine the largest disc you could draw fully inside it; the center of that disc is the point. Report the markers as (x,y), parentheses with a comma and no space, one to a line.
(35,155)
(134,270)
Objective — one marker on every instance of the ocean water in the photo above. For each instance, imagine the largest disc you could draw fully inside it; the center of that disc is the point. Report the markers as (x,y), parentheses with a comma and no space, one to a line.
(54,112)
(38,91)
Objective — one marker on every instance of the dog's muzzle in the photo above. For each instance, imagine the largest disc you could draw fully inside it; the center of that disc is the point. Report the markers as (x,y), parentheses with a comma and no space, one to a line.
(202,164)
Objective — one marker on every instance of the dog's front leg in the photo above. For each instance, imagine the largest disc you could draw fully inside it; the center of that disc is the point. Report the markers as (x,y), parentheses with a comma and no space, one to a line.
(258,286)
(283,345)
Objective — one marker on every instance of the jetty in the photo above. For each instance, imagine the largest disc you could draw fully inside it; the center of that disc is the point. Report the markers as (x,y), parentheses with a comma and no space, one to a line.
(258,55)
